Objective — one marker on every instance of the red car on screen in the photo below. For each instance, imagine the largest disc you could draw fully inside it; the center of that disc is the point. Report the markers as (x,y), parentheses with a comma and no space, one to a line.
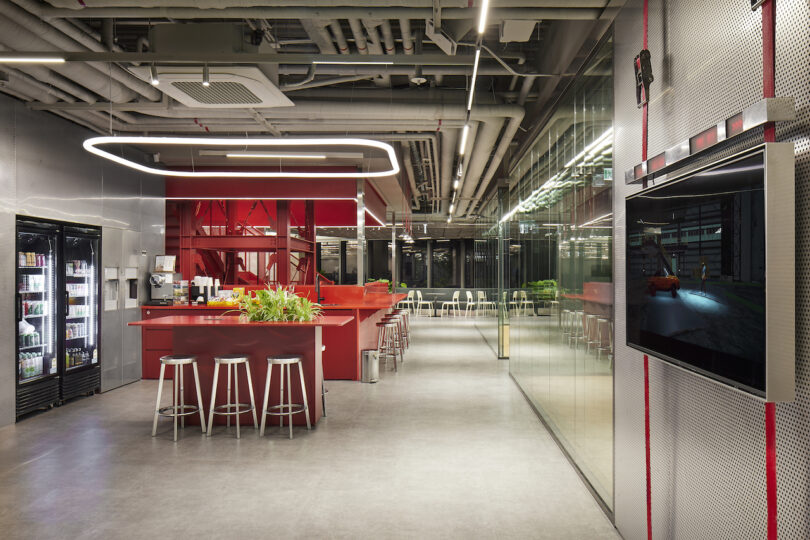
(664,283)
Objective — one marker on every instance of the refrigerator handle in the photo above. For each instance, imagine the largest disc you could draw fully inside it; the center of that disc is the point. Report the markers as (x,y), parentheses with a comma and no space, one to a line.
(67,303)
(19,307)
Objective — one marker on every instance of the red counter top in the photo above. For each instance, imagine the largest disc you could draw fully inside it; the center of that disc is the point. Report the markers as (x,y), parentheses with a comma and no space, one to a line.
(236,321)
(368,302)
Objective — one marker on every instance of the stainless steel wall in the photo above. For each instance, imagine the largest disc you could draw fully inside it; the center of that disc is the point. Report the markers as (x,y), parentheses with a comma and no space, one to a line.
(708,442)
(45,172)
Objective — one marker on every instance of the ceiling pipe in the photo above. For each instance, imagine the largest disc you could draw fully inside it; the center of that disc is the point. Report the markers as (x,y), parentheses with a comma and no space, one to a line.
(406,160)
(325,82)
(16,37)
(359,36)
(318,111)
(375,47)
(286,11)
(47,76)
(221,4)
(506,139)
(65,36)
(484,143)
(388,37)
(449,148)
(407,36)
(316,30)
(340,39)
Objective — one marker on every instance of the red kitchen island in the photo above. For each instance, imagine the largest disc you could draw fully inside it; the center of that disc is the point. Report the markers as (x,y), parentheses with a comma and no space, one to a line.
(343,343)
(207,336)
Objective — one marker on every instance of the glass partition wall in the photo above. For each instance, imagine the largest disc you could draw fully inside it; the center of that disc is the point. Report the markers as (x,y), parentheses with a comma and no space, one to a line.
(557,272)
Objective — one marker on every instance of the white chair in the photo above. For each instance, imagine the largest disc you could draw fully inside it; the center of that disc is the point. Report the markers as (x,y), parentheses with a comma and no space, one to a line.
(454,303)
(408,302)
(470,304)
(484,304)
(420,303)
(525,302)
(514,302)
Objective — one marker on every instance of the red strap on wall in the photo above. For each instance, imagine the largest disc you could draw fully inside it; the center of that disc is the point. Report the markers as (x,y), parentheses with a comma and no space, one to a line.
(769,135)
(647,442)
(646,358)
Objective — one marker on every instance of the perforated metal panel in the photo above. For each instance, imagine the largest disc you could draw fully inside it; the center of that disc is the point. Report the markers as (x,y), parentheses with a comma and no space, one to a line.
(708,441)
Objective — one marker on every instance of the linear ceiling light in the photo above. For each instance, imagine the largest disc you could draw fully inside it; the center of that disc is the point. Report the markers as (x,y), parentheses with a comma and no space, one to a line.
(464,133)
(32,60)
(91,145)
(206,81)
(153,75)
(353,63)
(472,81)
(482,20)
(455,183)
(273,155)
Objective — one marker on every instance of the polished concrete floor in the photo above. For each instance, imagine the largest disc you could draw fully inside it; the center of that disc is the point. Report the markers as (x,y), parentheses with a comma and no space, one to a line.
(446,448)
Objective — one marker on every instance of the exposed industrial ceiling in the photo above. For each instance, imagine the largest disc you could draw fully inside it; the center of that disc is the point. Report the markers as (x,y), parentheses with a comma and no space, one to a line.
(397,71)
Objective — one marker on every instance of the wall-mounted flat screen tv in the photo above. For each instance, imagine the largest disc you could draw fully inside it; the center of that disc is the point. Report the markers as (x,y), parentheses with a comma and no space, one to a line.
(710,257)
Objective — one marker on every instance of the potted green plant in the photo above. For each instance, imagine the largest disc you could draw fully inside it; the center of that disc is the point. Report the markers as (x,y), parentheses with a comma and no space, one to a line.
(271,305)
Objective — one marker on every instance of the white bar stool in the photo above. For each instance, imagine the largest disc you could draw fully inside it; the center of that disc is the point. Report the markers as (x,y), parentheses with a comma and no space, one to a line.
(289,408)
(232,409)
(182,410)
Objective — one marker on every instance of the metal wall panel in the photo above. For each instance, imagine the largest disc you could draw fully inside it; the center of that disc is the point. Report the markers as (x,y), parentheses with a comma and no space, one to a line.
(8,197)
(131,342)
(112,321)
(45,172)
(708,441)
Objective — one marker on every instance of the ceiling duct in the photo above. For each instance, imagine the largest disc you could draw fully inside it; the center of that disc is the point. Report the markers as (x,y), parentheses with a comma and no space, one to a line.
(230,86)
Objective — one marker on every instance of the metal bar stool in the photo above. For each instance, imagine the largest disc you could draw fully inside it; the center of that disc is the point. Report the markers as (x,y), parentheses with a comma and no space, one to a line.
(232,409)
(182,410)
(399,339)
(385,341)
(577,328)
(566,322)
(406,326)
(591,331)
(289,408)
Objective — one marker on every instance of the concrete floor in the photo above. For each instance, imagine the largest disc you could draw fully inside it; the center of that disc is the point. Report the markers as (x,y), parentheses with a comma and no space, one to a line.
(446,448)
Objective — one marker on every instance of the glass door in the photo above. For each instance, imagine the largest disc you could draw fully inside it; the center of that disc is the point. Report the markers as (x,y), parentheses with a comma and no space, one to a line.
(36,303)
(81,256)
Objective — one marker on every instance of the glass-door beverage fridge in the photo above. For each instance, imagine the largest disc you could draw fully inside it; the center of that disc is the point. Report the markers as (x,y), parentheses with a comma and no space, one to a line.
(80,368)
(37,324)
(57,312)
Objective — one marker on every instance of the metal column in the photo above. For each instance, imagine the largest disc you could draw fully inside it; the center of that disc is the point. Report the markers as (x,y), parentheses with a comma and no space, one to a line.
(361,232)
(394,251)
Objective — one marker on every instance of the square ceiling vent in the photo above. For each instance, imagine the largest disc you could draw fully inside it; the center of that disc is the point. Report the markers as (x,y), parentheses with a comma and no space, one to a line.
(230,86)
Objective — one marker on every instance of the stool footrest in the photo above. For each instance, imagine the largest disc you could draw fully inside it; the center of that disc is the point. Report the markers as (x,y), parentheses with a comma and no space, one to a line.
(187,410)
(225,410)
(286,409)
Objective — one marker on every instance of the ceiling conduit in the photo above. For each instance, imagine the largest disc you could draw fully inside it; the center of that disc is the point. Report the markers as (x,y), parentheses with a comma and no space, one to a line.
(484,143)
(17,38)
(449,146)
(506,139)
(222,4)
(31,21)
(288,11)
(406,160)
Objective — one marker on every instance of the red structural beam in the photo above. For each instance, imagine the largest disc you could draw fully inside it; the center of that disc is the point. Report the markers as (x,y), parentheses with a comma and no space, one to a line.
(236,243)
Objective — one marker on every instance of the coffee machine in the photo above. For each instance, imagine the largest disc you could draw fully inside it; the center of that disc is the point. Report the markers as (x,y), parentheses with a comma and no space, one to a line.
(161,289)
